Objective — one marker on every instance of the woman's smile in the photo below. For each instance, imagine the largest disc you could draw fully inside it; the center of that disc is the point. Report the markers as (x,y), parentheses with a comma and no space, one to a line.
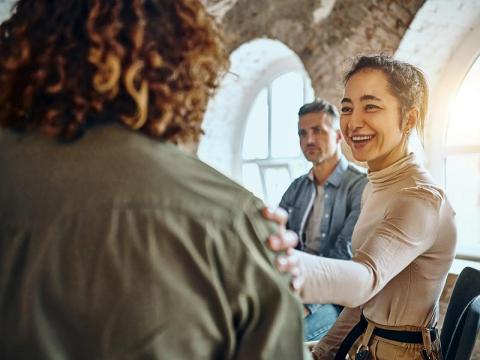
(359,141)
(371,120)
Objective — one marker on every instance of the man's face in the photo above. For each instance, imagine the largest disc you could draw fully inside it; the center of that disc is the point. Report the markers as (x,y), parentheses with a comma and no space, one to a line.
(318,138)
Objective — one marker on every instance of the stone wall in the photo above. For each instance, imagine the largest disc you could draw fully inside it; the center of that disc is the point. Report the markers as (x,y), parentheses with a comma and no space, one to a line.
(322,32)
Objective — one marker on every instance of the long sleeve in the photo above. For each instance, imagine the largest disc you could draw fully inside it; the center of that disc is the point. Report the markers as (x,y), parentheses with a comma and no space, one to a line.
(265,312)
(409,228)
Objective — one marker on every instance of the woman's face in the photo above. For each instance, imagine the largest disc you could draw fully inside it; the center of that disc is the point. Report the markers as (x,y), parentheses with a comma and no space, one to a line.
(370,120)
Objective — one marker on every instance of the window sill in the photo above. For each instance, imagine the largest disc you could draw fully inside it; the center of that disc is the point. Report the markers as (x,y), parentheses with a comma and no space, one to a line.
(468,251)
(459,264)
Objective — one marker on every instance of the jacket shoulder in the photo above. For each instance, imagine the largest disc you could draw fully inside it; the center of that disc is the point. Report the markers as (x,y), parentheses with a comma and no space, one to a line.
(206,184)
(297,184)
(357,170)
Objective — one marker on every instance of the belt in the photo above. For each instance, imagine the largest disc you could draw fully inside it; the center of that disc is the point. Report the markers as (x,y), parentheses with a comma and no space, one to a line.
(411,337)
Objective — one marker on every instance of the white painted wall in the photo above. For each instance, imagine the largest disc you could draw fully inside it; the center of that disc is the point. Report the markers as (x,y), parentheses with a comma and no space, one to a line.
(443,40)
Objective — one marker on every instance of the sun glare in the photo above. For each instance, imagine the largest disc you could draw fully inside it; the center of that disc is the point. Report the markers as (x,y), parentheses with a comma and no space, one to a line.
(464,125)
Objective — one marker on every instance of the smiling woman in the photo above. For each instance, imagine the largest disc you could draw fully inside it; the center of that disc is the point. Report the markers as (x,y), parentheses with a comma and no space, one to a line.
(404,240)
(378,112)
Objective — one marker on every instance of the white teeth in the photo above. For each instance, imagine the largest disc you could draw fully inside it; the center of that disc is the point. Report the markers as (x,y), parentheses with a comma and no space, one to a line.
(362,137)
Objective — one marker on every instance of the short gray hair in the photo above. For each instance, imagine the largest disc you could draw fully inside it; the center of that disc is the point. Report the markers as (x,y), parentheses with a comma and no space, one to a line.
(321,106)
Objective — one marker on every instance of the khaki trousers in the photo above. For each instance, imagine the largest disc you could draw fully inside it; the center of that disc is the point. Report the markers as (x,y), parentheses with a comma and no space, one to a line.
(384,349)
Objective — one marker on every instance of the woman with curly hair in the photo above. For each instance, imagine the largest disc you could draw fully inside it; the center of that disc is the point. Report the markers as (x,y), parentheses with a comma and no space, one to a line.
(115,244)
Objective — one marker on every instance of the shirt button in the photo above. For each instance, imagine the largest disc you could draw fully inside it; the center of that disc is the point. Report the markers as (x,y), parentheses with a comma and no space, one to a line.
(323,235)
(327,215)
(326,196)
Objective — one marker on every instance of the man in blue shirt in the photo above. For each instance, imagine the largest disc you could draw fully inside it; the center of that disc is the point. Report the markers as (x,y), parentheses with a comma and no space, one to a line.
(324,204)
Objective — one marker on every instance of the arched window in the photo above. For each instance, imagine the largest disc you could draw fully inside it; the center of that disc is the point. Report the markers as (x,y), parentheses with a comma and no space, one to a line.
(251,124)
(452,139)
(271,157)
(462,161)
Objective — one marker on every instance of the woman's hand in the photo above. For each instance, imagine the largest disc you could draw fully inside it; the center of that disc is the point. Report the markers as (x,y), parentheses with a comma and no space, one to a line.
(284,241)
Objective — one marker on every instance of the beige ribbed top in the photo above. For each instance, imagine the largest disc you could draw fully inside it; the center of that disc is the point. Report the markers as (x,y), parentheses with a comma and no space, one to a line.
(403,244)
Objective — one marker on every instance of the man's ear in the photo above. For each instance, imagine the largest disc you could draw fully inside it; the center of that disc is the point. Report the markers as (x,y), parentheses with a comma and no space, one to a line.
(339,136)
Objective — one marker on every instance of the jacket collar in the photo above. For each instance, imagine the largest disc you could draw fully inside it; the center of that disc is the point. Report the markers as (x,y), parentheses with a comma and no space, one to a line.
(335,178)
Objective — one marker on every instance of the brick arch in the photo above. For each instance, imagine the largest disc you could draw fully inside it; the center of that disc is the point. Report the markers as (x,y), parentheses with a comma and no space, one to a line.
(322,33)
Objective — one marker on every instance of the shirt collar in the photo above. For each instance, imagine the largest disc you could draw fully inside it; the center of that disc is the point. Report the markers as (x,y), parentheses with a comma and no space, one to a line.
(336,176)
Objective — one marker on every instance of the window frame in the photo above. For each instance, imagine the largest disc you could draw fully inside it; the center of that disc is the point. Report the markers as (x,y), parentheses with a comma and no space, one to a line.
(437,149)
(277,69)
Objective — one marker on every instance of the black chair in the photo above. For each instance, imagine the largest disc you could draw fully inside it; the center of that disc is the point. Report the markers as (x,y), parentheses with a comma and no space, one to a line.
(462,319)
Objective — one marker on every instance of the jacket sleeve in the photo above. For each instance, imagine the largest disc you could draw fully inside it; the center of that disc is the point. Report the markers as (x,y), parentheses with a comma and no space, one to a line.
(287,201)
(268,317)
(342,248)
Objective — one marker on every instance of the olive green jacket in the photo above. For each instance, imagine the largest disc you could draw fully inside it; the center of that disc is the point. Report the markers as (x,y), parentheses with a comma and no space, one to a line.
(118,246)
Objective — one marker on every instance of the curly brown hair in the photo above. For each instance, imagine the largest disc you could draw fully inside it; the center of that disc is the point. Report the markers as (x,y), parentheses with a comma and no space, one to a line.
(68,64)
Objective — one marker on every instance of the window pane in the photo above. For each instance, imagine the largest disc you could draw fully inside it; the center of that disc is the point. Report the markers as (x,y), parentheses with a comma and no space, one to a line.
(464,125)
(299,167)
(463,190)
(287,97)
(255,142)
(277,180)
(309,93)
(252,180)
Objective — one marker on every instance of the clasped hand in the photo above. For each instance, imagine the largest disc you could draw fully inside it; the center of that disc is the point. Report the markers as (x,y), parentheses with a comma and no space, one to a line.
(283,243)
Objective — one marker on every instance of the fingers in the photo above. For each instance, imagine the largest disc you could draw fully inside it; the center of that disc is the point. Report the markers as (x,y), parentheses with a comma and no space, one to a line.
(297,283)
(278,215)
(284,241)
(291,263)
(288,263)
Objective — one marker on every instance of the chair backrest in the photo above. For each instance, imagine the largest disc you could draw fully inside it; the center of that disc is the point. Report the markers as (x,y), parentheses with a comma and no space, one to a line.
(462,319)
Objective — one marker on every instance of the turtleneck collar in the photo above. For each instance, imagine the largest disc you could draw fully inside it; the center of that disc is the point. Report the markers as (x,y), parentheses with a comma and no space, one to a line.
(397,171)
